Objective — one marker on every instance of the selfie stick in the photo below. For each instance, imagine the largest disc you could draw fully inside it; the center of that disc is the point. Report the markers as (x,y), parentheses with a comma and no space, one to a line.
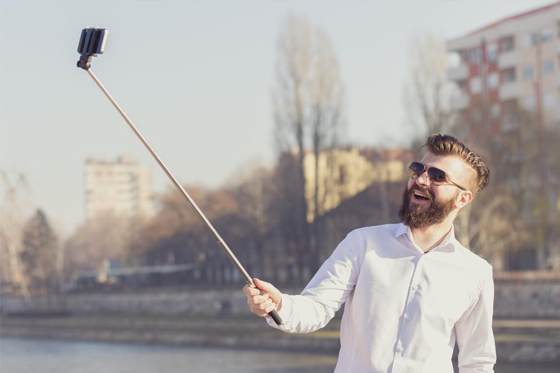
(92,43)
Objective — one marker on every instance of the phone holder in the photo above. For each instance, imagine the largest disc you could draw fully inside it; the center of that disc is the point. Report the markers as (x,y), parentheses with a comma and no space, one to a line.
(92,42)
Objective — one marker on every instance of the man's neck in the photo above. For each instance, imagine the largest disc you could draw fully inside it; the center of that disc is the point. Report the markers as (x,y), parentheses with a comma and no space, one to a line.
(429,237)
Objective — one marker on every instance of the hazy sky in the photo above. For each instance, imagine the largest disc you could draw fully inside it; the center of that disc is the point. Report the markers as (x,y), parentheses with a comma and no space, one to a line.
(195,77)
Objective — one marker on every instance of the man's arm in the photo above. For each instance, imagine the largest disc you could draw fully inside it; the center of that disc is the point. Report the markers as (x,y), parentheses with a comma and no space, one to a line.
(320,300)
(475,338)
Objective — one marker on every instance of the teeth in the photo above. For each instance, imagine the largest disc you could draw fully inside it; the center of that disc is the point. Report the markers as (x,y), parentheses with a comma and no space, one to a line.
(419,195)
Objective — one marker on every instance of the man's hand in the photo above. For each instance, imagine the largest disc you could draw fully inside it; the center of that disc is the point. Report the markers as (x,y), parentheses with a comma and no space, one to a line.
(261,303)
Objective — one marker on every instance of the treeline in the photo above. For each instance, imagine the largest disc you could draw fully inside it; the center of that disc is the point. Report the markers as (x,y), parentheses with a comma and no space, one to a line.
(283,221)
(257,218)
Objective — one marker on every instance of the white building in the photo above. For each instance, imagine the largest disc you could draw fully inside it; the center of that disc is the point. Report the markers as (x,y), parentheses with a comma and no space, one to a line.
(122,186)
(511,63)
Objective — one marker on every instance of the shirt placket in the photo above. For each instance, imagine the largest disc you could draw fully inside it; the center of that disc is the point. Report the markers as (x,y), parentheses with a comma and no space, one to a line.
(407,319)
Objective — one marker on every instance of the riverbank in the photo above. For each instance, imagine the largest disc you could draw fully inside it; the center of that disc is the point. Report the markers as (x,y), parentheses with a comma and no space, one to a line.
(523,341)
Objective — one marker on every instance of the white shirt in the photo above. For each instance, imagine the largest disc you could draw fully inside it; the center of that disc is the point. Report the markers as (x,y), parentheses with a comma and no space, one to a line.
(404,308)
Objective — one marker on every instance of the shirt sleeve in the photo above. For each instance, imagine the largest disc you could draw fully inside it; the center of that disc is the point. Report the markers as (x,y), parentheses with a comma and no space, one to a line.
(327,291)
(475,338)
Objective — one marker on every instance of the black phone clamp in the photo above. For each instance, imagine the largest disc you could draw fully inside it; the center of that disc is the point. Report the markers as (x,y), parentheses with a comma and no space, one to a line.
(92,42)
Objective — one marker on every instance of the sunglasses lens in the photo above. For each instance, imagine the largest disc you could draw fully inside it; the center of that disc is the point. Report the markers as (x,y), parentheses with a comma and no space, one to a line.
(415,169)
(436,175)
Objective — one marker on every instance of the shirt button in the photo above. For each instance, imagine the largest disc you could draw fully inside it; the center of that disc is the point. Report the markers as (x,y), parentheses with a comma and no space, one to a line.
(415,288)
(400,349)
(407,317)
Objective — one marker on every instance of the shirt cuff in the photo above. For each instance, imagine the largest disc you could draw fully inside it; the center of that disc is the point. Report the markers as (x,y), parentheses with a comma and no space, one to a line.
(284,313)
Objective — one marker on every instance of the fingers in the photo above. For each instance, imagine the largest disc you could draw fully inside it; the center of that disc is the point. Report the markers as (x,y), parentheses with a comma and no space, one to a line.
(260,302)
(251,290)
(269,289)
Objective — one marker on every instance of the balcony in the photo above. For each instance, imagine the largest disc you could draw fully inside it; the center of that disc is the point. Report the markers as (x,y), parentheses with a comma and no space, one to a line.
(459,102)
(458,73)
(508,59)
(510,91)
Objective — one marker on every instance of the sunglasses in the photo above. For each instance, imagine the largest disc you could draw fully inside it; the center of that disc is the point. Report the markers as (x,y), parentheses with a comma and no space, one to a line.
(437,177)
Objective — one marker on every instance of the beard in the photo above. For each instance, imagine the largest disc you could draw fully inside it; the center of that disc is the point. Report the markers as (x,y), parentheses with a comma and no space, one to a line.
(416,216)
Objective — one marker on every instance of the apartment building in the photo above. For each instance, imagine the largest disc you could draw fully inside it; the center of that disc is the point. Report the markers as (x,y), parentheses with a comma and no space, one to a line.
(508,80)
(122,186)
(508,65)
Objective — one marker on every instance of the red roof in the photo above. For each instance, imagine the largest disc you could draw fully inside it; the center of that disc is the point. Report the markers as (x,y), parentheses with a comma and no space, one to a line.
(517,16)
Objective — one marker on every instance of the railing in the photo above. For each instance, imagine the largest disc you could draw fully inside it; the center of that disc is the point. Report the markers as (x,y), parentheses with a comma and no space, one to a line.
(527,275)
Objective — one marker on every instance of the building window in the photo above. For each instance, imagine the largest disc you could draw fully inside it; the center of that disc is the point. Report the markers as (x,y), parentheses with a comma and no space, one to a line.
(526,41)
(476,85)
(548,67)
(495,111)
(549,100)
(508,75)
(529,103)
(546,35)
(508,43)
(510,107)
(477,115)
(492,52)
(474,55)
(494,80)
(528,72)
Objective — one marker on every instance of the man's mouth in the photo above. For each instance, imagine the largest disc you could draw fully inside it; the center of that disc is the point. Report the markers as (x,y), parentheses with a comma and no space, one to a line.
(421,196)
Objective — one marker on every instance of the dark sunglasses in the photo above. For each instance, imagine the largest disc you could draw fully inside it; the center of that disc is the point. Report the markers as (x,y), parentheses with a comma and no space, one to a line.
(436,176)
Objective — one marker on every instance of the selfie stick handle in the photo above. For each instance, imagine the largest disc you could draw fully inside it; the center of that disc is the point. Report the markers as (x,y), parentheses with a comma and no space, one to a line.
(219,239)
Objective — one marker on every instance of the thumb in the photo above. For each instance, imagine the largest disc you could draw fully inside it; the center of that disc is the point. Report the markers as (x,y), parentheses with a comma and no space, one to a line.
(268,288)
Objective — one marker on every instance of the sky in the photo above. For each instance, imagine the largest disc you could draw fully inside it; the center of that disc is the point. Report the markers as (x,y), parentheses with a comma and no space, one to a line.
(195,77)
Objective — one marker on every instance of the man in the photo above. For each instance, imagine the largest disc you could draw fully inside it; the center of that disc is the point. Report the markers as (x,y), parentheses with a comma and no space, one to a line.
(411,289)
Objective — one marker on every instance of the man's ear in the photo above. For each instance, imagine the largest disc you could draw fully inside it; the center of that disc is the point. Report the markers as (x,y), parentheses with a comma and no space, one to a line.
(464,198)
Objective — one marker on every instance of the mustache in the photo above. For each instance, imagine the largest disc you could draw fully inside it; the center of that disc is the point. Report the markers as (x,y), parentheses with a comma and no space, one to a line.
(415,187)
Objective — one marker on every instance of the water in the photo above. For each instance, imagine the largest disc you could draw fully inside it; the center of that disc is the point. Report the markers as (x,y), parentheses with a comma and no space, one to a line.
(54,356)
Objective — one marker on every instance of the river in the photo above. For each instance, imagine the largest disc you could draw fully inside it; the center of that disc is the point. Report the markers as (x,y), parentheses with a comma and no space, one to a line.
(55,356)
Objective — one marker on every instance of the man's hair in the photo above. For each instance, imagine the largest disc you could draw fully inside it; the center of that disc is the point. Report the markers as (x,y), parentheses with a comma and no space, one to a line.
(448,145)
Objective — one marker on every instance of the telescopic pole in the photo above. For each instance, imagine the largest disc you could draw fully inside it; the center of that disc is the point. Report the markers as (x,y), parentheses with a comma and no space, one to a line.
(199,212)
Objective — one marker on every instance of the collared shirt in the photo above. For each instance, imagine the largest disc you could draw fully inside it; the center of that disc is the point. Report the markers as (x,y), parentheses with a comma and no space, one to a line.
(405,309)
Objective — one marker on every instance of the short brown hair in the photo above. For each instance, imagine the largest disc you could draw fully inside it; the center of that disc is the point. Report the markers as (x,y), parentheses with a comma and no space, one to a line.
(439,144)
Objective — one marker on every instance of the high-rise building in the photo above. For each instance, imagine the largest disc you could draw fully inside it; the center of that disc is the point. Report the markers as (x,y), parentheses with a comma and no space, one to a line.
(122,186)
(510,65)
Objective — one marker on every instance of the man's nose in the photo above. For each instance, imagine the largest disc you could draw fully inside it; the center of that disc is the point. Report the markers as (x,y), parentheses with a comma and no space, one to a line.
(423,179)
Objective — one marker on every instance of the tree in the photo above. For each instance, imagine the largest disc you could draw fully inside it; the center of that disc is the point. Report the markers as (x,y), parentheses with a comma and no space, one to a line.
(308,101)
(100,238)
(41,255)
(11,231)
(486,227)
(428,92)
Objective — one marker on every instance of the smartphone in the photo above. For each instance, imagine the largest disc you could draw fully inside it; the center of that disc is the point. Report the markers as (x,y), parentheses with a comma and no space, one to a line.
(92,41)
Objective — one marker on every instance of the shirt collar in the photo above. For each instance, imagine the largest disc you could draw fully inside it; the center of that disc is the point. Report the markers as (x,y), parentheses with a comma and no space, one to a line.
(448,244)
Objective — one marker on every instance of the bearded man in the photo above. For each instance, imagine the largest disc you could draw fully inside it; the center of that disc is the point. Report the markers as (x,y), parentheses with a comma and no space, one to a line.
(411,290)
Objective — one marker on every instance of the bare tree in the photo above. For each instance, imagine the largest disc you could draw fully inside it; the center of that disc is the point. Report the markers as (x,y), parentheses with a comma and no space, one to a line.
(497,223)
(11,231)
(308,99)
(428,91)
(486,227)
(102,237)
